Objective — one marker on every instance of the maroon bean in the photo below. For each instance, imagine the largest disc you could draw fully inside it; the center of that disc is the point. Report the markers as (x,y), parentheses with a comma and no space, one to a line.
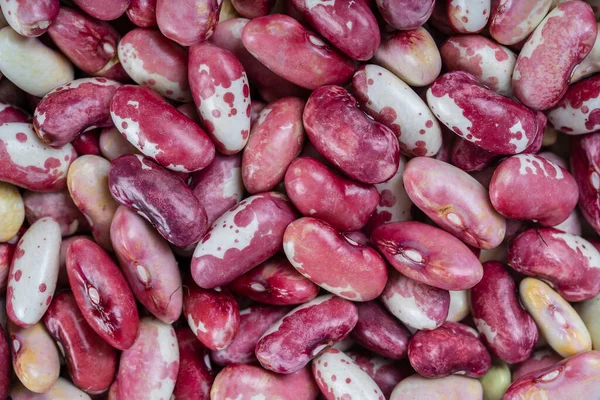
(57,205)
(275,282)
(253,8)
(319,192)
(585,166)
(195,375)
(102,294)
(451,348)
(91,362)
(428,254)
(470,157)
(385,372)
(243,237)
(160,197)
(142,13)
(505,326)
(363,149)
(305,332)
(406,14)
(88,143)
(10,113)
(187,21)
(569,263)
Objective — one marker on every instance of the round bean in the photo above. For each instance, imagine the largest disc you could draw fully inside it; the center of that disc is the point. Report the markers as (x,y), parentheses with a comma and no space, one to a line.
(187,21)
(496,381)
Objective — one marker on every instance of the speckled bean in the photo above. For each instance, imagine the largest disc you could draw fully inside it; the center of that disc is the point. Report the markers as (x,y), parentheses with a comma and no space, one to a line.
(195,375)
(12,211)
(385,372)
(114,145)
(6,254)
(30,17)
(578,112)
(457,203)
(511,21)
(225,254)
(556,319)
(11,113)
(539,359)
(591,63)
(187,21)
(569,263)
(468,16)
(405,14)
(452,387)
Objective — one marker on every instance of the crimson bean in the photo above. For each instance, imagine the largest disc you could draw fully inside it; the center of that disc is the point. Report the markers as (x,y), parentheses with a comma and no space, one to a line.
(142,13)
(88,143)
(102,294)
(159,196)
(30,17)
(10,113)
(305,332)
(91,362)
(253,8)
(195,376)
(469,157)
(539,359)
(405,14)
(187,21)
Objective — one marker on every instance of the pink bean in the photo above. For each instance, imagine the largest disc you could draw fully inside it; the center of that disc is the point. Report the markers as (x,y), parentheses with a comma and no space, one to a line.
(319,192)
(575,377)
(33,273)
(90,44)
(451,348)
(105,10)
(88,143)
(243,237)
(28,162)
(385,372)
(266,38)
(148,264)
(142,13)
(91,362)
(73,108)
(560,42)
(222,95)
(30,17)
(305,332)
(159,196)
(379,332)
(461,103)
(457,203)
(585,166)
(512,21)
(275,282)
(102,294)
(254,322)
(416,304)
(526,186)
(539,360)
(6,254)
(10,113)
(159,130)
(212,314)
(349,26)
(57,205)
(149,368)
(253,8)
(506,327)
(406,14)
(428,254)
(363,149)
(153,60)
(247,382)
(578,112)
(195,375)
(469,157)
(570,263)
(334,262)
(468,16)
(187,21)
(114,145)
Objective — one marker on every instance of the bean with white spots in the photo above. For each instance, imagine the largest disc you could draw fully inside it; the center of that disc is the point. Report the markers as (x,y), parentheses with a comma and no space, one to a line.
(30,17)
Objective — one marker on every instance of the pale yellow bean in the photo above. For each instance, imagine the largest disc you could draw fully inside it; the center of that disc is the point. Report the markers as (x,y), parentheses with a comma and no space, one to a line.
(12,211)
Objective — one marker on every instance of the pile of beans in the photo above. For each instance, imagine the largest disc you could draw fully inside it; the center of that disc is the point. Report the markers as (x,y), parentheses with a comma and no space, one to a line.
(300,199)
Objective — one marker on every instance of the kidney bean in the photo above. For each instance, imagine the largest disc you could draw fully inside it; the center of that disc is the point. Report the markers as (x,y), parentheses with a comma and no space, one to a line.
(159,196)
(148,264)
(187,21)
(551,191)
(338,376)
(342,267)
(33,273)
(578,111)
(195,375)
(12,211)
(416,304)
(588,310)
(34,357)
(556,319)
(451,348)
(461,103)
(459,306)
(6,253)
(506,327)
(114,145)
(405,14)
(225,254)
(102,294)
(412,56)
(470,157)
(591,63)
(149,368)
(468,16)
(88,143)
(142,13)
(585,160)
(275,282)
(90,44)
(10,113)
(566,36)
(212,314)
(268,37)
(153,60)
(254,322)
(570,263)
(245,382)
(457,203)
(540,359)
(363,149)
(159,130)
(62,389)
(385,372)
(91,362)
(30,17)
(428,254)
(305,332)
(512,21)
(453,386)
(253,9)
(379,332)
(576,377)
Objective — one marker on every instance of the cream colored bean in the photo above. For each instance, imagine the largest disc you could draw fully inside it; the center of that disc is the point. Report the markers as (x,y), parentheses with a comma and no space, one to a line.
(12,211)
(589,311)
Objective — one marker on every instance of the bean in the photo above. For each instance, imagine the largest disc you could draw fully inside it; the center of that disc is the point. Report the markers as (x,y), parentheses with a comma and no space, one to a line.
(539,360)
(459,306)
(142,13)
(405,14)
(62,389)
(495,381)
(577,112)
(453,386)
(30,17)
(88,143)
(468,16)
(10,113)
(591,63)
(385,372)
(187,21)
(12,211)
(105,11)
(114,145)
(513,20)
(252,8)
(586,171)
(5,367)
(195,376)
(6,254)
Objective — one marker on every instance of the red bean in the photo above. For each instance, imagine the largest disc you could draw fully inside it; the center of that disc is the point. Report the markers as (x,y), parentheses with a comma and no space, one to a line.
(585,166)
(253,8)
(385,372)
(187,21)
(195,376)
(405,14)
(10,113)
(142,13)
(30,17)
